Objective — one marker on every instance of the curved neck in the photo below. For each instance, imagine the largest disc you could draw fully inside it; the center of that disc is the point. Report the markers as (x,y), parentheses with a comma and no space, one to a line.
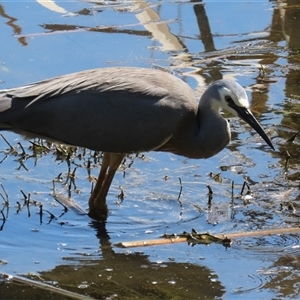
(203,134)
(214,131)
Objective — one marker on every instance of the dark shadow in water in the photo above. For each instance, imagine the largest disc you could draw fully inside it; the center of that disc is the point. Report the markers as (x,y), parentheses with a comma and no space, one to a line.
(127,275)
(131,275)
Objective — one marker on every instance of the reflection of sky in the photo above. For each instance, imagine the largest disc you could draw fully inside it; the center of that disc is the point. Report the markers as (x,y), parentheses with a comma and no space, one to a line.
(225,18)
(62,53)
(49,55)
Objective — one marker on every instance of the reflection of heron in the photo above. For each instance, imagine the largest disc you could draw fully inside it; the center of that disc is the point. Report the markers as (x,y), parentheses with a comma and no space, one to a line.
(125,110)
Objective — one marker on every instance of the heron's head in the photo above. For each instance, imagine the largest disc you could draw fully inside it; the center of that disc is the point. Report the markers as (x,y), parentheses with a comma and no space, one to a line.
(229,95)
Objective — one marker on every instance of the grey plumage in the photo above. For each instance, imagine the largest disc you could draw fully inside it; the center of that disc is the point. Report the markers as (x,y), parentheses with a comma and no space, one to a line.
(125,110)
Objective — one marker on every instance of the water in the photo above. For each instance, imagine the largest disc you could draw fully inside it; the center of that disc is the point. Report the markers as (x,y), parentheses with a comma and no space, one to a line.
(254,42)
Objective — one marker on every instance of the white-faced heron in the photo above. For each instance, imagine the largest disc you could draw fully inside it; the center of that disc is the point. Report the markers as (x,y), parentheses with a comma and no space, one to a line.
(125,110)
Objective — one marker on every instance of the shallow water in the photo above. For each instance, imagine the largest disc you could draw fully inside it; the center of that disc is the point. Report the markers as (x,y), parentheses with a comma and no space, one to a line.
(254,42)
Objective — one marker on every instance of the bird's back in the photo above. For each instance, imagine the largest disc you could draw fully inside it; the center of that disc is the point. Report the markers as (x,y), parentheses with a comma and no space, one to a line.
(109,109)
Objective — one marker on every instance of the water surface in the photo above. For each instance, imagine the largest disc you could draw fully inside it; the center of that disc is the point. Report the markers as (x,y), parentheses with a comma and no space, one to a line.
(253,42)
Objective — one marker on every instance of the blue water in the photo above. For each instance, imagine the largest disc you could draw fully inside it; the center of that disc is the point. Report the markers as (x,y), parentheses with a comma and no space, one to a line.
(40,44)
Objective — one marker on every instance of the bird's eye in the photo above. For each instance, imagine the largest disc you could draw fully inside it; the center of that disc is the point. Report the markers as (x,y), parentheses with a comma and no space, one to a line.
(228,99)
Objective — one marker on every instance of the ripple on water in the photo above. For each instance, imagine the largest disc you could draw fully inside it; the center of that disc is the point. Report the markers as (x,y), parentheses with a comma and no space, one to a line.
(153,217)
(271,245)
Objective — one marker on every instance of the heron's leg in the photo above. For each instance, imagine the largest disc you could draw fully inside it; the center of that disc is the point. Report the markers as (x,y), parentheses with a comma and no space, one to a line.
(97,202)
(101,177)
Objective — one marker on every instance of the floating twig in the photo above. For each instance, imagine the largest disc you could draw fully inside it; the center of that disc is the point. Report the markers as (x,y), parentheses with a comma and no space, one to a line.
(286,166)
(41,213)
(179,196)
(43,286)
(21,162)
(215,176)
(293,137)
(131,163)
(124,167)
(6,201)
(248,187)
(121,195)
(232,191)
(19,207)
(210,194)
(27,203)
(6,141)
(205,238)
(69,203)
(52,217)
(22,148)
(88,167)
(24,195)
(180,191)
(3,220)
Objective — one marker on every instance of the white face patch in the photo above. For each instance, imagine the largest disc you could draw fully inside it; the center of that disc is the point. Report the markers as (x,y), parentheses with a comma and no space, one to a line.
(239,96)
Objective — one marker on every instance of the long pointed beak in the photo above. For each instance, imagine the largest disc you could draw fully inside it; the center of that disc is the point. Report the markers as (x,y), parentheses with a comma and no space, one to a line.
(248,117)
